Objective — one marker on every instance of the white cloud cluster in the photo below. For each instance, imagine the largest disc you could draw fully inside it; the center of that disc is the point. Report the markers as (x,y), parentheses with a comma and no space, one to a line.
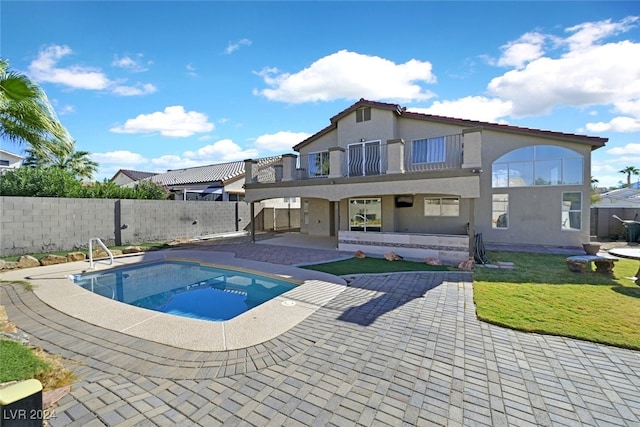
(349,75)
(45,68)
(221,151)
(280,142)
(123,158)
(588,73)
(174,121)
(471,107)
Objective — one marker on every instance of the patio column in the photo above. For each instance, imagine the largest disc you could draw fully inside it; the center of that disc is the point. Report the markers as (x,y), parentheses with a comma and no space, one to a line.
(395,155)
(336,162)
(249,165)
(253,222)
(289,167)
(472,152)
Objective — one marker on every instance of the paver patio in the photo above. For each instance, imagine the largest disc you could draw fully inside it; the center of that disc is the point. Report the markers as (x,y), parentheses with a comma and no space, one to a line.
(392,349)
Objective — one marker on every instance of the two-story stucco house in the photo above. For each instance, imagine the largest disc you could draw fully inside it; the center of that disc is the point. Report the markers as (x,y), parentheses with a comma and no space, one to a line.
(380,178)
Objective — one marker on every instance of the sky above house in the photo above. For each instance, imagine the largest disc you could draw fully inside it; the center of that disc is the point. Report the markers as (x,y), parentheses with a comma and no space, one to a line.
(152,86)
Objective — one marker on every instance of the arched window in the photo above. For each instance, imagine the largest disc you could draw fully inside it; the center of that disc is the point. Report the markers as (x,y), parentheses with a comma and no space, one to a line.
(538,165)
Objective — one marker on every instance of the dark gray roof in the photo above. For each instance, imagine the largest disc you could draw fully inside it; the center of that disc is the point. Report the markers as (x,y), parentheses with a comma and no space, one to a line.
(134,175)
(221,172)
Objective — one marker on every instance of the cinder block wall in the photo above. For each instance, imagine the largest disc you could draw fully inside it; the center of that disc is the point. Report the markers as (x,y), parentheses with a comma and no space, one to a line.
(43,224)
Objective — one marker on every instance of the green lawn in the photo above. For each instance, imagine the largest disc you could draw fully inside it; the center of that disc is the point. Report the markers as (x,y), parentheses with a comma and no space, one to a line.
(540,295)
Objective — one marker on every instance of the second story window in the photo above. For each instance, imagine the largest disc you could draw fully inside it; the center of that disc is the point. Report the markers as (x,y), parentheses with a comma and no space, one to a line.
(319,164)
(431,150)
(363,114)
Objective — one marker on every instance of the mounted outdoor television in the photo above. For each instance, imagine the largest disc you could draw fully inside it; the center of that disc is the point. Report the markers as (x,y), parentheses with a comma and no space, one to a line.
(404,201)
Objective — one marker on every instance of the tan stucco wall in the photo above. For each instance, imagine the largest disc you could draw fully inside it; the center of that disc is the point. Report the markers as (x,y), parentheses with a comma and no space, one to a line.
(319,224)
(535,212)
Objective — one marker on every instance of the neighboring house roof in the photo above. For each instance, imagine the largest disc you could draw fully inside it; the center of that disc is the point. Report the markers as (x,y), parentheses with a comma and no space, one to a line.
(594,141)
(221,172)
(6,155)
(134,175)
(621,198)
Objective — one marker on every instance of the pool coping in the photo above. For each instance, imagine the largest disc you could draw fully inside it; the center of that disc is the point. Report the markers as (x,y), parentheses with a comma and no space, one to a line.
(53,286)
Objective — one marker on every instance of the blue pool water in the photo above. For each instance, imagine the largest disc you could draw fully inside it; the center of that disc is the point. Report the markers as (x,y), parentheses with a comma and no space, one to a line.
(185,288)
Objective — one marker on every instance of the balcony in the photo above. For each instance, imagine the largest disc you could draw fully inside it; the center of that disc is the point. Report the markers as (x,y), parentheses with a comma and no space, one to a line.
(370,158)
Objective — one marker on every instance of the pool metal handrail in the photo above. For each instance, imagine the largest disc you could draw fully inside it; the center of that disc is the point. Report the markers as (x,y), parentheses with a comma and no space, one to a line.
(91,262)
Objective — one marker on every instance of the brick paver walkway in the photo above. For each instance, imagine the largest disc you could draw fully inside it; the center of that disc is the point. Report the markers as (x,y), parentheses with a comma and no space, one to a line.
(397,349)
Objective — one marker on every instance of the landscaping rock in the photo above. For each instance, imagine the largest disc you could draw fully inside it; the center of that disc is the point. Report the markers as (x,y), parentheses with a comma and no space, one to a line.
(76,256)
(467,265)
(99,253)
(8,265)
(53,259)
(360,254)
(27,261)
(132,250)
(432,261)
(392,256)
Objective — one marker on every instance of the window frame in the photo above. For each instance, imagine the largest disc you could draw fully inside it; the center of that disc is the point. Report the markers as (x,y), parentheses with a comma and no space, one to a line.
(504,211)
(433,154)
(564,220)
(440,204)
(527,163)
(365,228)
(325,163)
(363,114)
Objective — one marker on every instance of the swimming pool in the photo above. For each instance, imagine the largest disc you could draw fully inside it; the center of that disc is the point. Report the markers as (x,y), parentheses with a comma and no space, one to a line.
(185,288)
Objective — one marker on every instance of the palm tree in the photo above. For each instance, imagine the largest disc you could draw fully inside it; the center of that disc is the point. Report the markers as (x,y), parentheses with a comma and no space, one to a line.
(629,170)
(61,155)
(26,116)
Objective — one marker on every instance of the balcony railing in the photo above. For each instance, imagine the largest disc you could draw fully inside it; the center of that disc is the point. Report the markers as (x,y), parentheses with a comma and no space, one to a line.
(370,158)
(433,153)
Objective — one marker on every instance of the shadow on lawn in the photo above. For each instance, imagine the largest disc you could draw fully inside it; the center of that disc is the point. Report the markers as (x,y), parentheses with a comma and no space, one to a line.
(627,291)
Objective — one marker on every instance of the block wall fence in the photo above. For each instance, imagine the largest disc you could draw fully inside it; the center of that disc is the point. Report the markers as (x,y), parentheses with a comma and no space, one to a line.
(46,224)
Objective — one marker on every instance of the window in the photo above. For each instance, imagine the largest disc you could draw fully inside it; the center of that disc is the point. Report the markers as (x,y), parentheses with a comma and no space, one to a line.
(4,162)
(500,211)
(431,150)
(536,166)
(571,211)
(365,215)
(363,114)
(319,164)
(441,206)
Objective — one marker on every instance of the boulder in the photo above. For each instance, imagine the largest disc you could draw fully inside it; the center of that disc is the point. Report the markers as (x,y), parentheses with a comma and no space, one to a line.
(53,259)
(432,261)
(360,254)
(99,253)
(8,265)
(27,261)
(132,250)
(75,256)
(467,265)
(392,256)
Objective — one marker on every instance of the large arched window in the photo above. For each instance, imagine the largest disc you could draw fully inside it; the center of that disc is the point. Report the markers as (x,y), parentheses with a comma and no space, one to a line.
(538,165)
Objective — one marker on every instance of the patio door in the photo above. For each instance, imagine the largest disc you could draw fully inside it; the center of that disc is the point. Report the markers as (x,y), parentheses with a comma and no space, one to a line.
(364,158)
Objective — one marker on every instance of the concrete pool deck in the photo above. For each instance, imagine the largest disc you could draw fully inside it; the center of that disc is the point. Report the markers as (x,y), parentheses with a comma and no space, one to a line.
(54,287)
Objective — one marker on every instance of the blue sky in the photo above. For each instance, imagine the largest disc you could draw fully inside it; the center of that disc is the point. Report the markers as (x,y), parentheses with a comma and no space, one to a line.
(153,86)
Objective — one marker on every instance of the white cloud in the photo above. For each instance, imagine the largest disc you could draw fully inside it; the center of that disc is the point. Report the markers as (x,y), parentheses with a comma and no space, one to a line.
(174,121)
(138,89)
(587,74)
(280,142)
(349,75)
(628,150)
(233,46)
(191,70)
(168,162)
(221,151)
(45,68)
(617,124)
(123,158)
(526,49)
(471,107)
(135,65)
